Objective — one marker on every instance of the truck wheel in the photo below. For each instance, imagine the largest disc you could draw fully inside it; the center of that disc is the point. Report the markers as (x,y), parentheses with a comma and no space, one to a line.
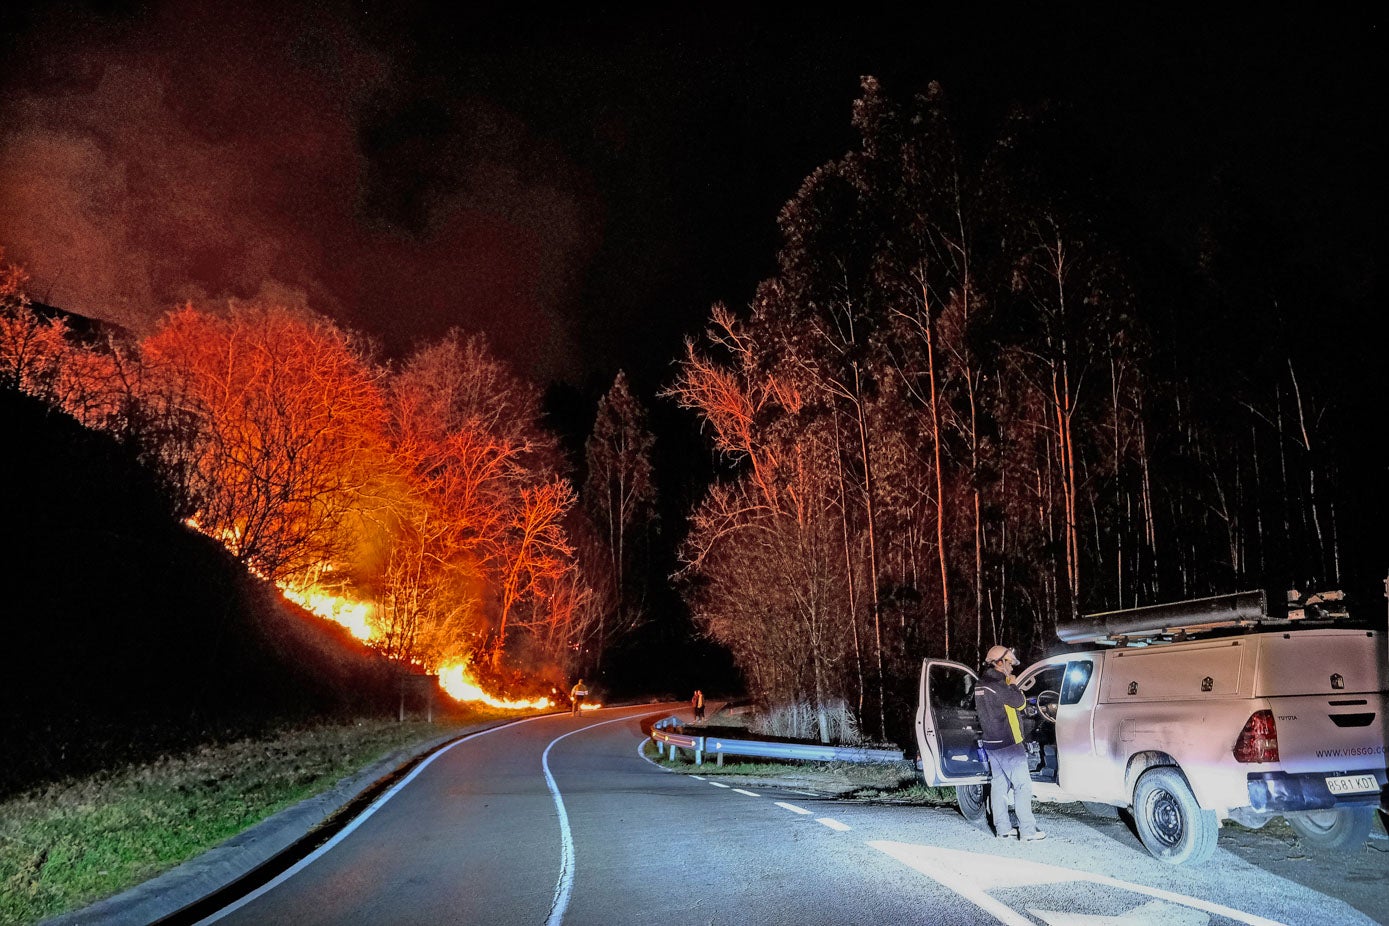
(973,801)
(1171,824)
(1334,830)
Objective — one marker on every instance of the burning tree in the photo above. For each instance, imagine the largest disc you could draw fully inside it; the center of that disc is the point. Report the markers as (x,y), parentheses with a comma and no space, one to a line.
(531,552)
(486,522)
(29,345)
(290,427)
(40,355)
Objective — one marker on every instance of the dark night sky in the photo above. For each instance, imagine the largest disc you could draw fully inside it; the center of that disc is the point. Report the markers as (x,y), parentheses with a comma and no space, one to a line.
(584,187)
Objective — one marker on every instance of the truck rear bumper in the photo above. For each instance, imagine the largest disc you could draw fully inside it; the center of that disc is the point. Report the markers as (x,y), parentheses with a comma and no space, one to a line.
(1279,792)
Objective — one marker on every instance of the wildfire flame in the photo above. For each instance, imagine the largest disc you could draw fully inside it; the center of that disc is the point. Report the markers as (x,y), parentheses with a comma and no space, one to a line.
(359,618)
(461,685)
(356,616)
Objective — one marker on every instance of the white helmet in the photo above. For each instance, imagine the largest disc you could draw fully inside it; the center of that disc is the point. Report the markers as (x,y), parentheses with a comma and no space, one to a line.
(1001,652)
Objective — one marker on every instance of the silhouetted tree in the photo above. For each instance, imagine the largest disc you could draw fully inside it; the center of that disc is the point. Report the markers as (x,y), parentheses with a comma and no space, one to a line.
(620,496)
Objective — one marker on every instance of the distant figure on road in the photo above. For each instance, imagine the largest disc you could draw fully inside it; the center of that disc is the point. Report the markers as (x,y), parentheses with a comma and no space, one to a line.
(576,696)
(998,700)
(698,702)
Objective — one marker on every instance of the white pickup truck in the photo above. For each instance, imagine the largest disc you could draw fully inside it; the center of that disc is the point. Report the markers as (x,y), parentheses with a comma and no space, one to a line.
(1187,715)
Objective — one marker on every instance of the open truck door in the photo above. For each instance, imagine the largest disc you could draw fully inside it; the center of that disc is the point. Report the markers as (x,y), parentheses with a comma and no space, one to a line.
(947,726)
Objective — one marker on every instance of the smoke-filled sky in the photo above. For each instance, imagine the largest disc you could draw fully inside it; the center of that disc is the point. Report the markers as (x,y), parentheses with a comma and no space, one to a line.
(200,150)
(583,188)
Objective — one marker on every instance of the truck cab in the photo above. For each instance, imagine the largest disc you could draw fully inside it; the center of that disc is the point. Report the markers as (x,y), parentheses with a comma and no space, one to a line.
(1056,726)
(1188,714)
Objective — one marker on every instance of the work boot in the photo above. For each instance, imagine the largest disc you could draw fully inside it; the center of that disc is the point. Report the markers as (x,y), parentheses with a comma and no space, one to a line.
(1007,834)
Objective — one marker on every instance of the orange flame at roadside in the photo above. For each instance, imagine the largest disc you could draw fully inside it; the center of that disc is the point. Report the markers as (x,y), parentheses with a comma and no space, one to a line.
(359,617)
(461,686)
(356,616)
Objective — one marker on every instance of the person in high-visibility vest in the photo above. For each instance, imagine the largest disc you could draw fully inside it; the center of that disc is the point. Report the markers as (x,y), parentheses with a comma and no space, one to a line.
(998,701)
(576,696)
(698,702)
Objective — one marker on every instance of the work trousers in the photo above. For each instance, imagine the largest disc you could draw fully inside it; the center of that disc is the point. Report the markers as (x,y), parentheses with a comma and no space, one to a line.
(1008,768)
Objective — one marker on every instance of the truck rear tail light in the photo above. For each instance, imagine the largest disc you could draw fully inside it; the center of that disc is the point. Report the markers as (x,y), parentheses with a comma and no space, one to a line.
(1258,741)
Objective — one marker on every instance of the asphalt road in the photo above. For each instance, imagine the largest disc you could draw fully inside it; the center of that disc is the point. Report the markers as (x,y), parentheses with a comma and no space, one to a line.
(560,820)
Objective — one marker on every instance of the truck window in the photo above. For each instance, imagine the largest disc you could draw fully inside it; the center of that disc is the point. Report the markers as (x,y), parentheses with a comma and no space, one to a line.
(951,688)
(1078,674)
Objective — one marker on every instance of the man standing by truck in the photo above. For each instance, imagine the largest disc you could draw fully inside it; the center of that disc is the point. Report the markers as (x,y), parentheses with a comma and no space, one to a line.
(998,700)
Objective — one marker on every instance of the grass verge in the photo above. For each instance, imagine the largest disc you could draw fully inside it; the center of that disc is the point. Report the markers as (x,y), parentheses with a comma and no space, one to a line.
(74,842)
(870,782)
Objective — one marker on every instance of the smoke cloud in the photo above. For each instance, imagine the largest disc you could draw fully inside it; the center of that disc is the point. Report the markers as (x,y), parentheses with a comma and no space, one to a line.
(188,151)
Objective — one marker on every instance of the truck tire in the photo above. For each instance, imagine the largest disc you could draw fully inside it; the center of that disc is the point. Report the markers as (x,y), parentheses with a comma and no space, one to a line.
(973,801)
(1336,830)
(1172,825)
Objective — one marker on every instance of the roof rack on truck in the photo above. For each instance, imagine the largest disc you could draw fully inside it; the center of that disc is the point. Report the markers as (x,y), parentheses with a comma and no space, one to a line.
(1180,620)
(1175,620)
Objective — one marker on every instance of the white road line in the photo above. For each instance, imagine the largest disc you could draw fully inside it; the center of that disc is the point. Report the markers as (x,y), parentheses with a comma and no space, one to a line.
(748,793)
(833,824)
(959,884)
(346,831)
(717,785)
(792,807)
(699,778)
(566,854)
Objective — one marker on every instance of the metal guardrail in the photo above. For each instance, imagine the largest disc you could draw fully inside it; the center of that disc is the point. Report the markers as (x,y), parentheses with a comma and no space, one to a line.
(664,735)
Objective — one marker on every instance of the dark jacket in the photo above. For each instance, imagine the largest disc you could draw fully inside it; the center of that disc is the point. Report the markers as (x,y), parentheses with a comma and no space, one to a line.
(998,704)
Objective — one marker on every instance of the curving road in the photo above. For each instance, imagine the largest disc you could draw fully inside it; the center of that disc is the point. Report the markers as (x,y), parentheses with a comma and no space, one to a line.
(559,820)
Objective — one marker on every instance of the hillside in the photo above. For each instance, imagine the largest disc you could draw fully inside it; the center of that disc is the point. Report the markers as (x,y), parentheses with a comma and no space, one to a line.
(126,634)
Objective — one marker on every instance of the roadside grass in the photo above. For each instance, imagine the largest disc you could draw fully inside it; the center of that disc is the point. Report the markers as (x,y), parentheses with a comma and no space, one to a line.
(869,782)
(74,842)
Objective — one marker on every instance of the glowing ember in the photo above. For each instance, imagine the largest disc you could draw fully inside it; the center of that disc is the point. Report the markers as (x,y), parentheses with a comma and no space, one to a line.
(460,685)
(356,616)
(589,707)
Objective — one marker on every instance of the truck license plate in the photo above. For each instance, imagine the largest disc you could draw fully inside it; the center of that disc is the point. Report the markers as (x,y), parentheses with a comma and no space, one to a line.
(1352,784)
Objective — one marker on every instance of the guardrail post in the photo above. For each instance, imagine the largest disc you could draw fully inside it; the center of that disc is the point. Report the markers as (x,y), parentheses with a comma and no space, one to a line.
(699,750)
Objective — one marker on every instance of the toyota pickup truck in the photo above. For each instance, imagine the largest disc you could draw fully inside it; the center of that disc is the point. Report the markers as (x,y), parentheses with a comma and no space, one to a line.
(1187,715)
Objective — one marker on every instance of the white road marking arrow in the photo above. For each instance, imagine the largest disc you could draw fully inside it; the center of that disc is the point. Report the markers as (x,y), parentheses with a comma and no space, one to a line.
(973,874)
